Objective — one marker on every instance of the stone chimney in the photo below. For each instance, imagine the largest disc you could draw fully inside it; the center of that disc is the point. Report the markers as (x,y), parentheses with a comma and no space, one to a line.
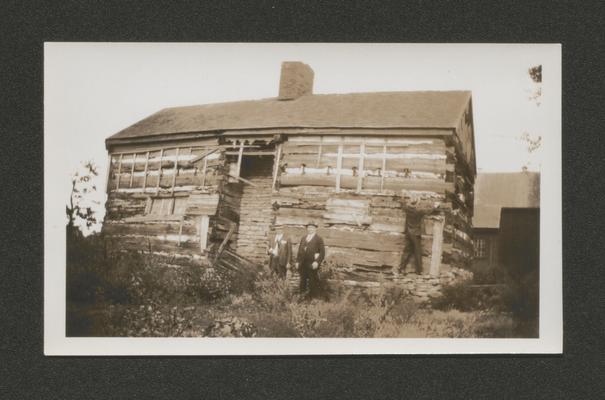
(296,80)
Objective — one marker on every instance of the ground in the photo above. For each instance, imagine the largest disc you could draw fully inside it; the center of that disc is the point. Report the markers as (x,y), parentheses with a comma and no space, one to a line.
(132,294)
(273,310)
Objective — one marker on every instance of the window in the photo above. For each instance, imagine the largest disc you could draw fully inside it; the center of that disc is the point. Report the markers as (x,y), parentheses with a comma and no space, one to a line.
(480,248)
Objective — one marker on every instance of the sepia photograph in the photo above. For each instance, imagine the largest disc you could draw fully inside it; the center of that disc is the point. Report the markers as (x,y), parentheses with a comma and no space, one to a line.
(302,198)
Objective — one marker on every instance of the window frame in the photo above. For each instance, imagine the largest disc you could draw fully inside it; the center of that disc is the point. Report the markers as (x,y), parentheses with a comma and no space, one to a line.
(481,248)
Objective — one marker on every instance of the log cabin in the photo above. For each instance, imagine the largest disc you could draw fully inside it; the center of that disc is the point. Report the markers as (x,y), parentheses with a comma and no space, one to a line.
(197,184)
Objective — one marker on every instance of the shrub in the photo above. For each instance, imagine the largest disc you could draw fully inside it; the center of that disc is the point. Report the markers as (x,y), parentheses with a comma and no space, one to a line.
(464,297)
(273,294)
(490,274)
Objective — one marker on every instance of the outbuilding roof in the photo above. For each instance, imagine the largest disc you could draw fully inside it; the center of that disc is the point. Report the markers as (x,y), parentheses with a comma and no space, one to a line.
(427,109)
(494,191)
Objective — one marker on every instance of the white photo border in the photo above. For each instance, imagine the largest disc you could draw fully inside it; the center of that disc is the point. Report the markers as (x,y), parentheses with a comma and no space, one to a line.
(551,315)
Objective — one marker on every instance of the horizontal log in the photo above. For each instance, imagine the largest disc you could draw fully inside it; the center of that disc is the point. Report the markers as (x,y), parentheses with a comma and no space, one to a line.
(307,179)
(371,138)
(150,229)
(296,216)
(202,204)
(334,203)
(433,185)
(365,240)
(149,244)
(415,164)
(155,147)
(352,256)
(347,219)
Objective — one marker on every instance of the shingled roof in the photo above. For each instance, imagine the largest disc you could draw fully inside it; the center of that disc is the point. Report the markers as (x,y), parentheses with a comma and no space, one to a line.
(493,191)
(430,109)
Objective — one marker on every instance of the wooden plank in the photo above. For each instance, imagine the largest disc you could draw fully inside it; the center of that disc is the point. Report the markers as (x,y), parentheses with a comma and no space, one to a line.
(119,175)
(384,167)
(351,239)
(134,160)
(347,219)
(312,133)
(108,175)
(352,256)
(204,155)
(149,245)
(175,170)
(308,180)
(148,205)
(204,229)
(398,184)
(204,171)
(360,171)
(145,172)
(150,228)
(362,204)
(295,216)
(239,159)
(251,153)
(246,181)
(338,167)
(202,204)
(437,246)
(276,160)
(157,188)
(167,142)
(319,150)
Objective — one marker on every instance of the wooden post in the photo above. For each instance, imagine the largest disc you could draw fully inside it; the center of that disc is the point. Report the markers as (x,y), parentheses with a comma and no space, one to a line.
(384,166)
(134,160)
(362,150)
(180,230)
(119,171)
(321,139)
(338,167)
(239,157)
(175,170)
(108,177)
(437,247)
(148,204)
(204,172)
(276,165)
(204,223)
(157,187)
(145,173)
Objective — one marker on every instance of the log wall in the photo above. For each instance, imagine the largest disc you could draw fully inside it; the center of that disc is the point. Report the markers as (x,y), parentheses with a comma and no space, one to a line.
(158,199)
(357,188)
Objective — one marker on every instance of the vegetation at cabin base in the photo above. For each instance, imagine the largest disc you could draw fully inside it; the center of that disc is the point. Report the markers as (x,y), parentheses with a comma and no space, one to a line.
(133,295)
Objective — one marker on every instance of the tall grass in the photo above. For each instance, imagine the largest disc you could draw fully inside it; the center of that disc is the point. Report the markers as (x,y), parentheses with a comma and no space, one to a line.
(135,295)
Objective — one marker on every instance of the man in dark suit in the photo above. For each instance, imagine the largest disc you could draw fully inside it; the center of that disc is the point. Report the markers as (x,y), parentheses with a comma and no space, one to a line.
(311,253)
(280,254)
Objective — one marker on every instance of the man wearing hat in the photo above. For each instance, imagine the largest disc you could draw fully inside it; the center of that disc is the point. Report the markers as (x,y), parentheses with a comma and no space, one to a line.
(311,253)
(280,254)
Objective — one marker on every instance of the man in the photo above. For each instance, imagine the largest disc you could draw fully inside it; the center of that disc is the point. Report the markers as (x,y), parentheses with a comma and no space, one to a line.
(311,253)
(280,254)
(414,215)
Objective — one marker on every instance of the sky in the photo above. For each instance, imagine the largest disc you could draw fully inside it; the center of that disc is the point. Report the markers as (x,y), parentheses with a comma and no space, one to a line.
(93,90)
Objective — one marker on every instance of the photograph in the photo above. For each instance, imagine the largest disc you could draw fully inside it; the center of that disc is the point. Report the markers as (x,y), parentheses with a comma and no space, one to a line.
(275,198)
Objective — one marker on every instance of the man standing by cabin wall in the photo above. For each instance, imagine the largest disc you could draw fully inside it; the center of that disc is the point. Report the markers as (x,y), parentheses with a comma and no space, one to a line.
(414,218)
(311,253)
(280,254)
